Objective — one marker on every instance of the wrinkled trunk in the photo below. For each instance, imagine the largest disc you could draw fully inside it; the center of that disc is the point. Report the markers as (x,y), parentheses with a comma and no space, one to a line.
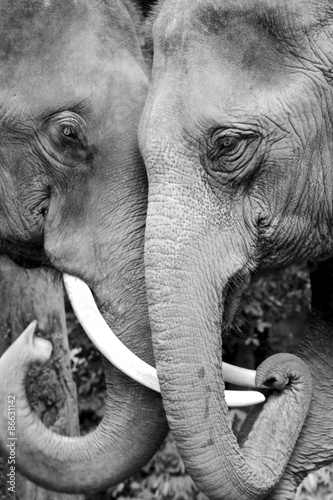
(52,393)
(132,429)
(197,261)
(314,448)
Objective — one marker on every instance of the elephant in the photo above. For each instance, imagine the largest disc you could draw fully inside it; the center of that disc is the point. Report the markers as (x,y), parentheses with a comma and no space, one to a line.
(236,135)
(73,198)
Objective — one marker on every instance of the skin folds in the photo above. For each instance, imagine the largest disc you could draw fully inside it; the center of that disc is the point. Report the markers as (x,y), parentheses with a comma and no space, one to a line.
(73,196)
(239,166)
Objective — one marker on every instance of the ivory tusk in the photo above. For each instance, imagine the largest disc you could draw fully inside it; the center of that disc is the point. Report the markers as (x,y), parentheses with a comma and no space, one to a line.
(238,376)
(31,347)
(120,356)
(243,398)
(103,337)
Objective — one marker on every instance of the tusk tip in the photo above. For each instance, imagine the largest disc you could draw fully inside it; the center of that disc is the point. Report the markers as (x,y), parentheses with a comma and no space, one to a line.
(28,333)
(40,348)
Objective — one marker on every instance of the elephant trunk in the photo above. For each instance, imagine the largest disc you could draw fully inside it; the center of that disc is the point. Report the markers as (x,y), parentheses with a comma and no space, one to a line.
(134,424)
(195,265)
(131,431)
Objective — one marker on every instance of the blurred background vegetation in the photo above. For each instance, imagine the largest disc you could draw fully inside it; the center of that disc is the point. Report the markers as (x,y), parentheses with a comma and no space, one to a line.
(272,318)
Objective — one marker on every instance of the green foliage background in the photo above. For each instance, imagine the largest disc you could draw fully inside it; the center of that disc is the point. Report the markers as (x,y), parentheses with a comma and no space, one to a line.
(272,318)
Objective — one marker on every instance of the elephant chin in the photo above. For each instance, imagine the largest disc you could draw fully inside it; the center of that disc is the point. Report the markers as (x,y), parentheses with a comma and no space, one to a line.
(120,356)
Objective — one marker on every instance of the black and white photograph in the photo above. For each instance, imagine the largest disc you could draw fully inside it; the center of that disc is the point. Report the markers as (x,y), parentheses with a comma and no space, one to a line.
(166,249)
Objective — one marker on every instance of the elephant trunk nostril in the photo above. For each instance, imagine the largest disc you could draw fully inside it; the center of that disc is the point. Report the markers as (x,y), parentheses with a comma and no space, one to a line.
(280,370)
(274,383)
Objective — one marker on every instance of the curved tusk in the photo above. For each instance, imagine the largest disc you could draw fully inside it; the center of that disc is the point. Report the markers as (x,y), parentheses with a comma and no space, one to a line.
(103,337)
(120,356)
(243,398)
(30,347)
(238,376)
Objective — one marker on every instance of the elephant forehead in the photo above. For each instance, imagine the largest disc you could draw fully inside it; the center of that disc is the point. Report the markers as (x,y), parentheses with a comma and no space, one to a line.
(271,15)
(282,22)
(56,53)
(32,27)
(42,28)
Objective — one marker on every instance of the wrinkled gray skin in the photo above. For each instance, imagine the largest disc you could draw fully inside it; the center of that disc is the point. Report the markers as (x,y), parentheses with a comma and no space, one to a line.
(73,195)
(237,139)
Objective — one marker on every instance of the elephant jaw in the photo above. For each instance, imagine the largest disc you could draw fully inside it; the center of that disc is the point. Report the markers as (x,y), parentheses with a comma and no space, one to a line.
(120,356)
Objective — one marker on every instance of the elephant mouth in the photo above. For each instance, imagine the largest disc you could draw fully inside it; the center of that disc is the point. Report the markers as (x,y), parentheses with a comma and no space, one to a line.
(28,256)
(119,355)
(233,294)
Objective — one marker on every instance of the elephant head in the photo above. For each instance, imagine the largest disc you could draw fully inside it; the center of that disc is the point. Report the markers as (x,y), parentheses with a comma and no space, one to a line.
(73,196)
(237,140)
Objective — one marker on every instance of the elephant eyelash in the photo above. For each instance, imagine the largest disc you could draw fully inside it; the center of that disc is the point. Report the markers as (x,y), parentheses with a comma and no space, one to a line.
(228,142)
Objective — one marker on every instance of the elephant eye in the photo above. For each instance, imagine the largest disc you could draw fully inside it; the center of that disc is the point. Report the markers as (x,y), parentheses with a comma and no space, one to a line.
(230,151)
(229,146)
(63,139)
(226,144)
(69,132)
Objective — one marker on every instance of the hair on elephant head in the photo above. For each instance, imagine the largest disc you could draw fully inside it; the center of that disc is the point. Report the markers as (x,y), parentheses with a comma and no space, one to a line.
(236,137)
(73,196)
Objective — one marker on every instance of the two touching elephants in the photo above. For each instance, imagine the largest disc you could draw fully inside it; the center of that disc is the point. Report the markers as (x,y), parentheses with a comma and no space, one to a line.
(235,133)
